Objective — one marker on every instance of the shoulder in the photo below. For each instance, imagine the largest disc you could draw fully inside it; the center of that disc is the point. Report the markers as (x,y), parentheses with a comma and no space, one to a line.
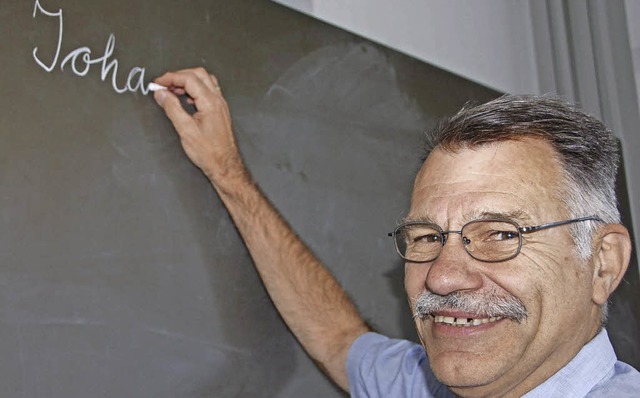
(378,366)
(623,381)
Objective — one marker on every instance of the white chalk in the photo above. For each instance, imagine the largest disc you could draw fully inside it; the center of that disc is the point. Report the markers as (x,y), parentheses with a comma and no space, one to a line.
(155,87)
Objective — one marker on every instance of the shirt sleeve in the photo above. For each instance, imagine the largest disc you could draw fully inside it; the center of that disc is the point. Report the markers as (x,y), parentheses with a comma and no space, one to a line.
(381,367)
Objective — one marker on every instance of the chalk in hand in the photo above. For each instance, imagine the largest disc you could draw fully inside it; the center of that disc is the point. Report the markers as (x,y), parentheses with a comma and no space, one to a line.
(155,87)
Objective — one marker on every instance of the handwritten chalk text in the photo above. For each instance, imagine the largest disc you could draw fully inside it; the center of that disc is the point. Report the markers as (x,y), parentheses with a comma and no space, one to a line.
(80,59)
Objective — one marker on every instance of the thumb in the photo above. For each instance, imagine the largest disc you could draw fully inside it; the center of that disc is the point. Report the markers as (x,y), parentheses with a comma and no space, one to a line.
(173,109)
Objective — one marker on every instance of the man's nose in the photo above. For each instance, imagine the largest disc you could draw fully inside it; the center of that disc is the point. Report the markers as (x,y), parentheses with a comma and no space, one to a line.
(454,270)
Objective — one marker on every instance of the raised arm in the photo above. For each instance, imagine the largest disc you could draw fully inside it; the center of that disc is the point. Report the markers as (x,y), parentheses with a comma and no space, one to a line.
(308,297)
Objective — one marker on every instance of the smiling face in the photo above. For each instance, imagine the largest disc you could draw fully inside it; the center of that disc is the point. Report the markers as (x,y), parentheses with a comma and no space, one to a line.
(492,355)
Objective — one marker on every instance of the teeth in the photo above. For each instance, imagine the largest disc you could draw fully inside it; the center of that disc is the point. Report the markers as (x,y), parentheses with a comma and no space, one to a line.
(464,322)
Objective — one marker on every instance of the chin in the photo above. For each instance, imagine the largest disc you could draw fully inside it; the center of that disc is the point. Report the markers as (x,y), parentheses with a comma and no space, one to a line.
(461,371)
(461,376)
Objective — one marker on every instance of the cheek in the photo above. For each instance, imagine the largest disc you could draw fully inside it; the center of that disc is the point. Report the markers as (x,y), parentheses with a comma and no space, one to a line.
(414,279)
(558,268)
(548,282)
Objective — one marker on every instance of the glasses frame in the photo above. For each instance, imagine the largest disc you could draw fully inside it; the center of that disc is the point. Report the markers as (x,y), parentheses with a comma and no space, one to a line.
(521,230)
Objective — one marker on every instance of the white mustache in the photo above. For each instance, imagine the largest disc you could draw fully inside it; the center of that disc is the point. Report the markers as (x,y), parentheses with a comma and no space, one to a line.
(484,304)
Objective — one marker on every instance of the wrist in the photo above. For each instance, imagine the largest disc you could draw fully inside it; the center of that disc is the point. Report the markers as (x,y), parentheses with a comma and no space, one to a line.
(229,179)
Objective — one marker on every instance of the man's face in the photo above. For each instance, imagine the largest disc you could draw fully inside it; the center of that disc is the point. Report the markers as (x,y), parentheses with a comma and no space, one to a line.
(518,179)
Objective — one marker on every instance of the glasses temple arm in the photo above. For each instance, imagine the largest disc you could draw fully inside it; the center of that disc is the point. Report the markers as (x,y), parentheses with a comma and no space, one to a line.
(558,223)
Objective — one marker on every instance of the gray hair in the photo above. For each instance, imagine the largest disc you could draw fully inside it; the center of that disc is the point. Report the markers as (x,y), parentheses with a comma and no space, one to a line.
(586,150)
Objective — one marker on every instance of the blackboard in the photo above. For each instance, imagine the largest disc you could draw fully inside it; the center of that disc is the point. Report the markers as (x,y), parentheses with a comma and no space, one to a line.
(122,275)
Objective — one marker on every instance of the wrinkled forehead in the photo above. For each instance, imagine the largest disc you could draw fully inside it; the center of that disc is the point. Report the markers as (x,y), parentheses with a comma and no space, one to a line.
(521,177)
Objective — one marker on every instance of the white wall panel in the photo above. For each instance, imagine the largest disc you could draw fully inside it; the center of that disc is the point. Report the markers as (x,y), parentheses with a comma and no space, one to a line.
(490,41)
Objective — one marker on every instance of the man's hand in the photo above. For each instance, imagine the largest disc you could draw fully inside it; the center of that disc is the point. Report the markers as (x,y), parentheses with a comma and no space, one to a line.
(206,136)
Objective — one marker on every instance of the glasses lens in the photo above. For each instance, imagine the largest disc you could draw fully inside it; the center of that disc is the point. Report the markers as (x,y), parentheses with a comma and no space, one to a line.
(418,242)
(488,240)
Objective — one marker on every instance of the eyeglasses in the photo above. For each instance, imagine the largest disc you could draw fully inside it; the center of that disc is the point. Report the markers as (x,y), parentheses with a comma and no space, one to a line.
(488,240)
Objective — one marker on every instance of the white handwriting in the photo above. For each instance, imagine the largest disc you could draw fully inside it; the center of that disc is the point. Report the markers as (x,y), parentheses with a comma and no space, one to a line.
(80,59)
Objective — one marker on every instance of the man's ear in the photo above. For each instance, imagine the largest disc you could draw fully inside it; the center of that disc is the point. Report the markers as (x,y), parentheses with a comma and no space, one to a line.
(612,251)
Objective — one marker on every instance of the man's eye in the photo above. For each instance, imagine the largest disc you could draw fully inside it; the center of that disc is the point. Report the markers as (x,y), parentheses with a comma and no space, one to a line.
(502,235)
(428,238)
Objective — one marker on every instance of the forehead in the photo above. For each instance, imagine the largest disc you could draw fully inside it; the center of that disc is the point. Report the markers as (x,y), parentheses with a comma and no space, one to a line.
(511,177)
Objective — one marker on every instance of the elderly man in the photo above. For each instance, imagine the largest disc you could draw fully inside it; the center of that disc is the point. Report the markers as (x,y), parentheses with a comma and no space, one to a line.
(512,247)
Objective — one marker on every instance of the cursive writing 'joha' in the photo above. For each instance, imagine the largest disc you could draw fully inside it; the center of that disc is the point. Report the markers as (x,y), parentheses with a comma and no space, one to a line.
(80,59)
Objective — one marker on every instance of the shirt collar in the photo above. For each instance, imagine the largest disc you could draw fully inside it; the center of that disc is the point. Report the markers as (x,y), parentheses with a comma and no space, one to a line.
(593,363)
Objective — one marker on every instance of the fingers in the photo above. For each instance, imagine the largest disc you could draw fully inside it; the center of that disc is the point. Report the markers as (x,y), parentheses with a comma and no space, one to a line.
(209,80)
(202,90)
(197,83)
(174,110)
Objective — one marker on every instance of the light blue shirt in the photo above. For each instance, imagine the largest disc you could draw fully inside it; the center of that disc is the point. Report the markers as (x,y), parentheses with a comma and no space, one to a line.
(381,367)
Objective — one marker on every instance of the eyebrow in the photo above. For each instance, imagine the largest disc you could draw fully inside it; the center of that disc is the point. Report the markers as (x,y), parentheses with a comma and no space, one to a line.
(425,219)
(518,216)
